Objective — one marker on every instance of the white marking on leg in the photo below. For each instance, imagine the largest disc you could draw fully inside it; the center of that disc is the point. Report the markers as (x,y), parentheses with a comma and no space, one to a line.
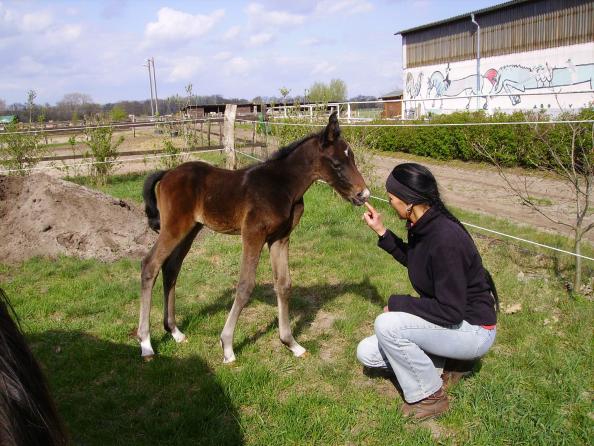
(178,335)
(297,350)
(146,348)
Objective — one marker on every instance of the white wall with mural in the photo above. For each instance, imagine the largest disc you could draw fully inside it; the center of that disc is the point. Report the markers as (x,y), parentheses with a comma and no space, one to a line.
(519,81)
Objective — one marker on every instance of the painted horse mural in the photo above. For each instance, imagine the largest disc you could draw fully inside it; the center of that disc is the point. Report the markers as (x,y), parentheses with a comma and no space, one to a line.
(444,87)
(517,78)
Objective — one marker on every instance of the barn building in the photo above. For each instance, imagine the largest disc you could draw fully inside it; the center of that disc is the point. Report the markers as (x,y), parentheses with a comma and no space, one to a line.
(517,55)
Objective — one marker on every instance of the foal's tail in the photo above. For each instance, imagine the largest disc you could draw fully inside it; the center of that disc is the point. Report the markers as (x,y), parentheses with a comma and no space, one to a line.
(150,199)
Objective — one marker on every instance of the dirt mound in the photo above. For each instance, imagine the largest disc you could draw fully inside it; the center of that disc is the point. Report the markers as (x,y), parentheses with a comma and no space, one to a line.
(45,216)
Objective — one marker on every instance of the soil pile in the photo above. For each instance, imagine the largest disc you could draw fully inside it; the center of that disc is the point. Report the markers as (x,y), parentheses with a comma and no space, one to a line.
(45,216)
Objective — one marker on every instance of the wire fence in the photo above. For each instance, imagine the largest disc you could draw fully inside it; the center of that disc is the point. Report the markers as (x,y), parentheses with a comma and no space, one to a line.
(158,156)
(492,231)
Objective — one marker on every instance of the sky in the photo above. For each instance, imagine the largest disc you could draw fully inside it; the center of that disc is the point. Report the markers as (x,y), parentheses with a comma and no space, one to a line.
(240,49)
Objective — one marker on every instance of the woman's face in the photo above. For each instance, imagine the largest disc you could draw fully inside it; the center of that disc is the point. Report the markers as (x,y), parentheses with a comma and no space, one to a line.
(398,205)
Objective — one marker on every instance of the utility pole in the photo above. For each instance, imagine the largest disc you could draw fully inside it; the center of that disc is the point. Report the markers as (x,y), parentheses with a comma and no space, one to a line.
(151,83)
(155,82)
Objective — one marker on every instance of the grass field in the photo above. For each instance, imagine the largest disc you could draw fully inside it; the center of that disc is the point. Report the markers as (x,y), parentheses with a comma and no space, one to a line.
(534,387)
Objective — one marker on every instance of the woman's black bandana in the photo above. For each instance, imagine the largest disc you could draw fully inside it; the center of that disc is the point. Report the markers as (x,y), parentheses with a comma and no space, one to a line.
(402,191)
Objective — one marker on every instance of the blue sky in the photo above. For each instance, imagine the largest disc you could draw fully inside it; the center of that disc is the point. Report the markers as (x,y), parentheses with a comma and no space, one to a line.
(233,48)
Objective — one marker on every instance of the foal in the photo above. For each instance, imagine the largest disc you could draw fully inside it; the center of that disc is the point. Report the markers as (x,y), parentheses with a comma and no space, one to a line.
(262,203)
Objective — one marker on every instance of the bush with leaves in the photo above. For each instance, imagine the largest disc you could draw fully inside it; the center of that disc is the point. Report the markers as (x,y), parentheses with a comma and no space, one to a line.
(103,151)
(20,151)
(172,155)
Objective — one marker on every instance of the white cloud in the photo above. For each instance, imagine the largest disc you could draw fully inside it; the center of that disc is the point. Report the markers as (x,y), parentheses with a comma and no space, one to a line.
(260,16)
(236,66)
(26,66)
(173,25)
(63,34)
(260,39)
(36,22)
(223,55)
(185,68)
(323,68)
(312,41)
(327,7)
(231,33)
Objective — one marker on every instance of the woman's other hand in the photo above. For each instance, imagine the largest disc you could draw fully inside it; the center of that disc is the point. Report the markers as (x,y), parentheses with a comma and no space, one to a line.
(374,220)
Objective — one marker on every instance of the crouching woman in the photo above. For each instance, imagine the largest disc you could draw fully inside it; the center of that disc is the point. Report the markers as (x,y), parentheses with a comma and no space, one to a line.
(455,316)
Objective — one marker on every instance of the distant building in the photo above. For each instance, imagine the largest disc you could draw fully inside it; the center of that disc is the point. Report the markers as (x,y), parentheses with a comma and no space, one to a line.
(7,119)
(529,51)
(392,109)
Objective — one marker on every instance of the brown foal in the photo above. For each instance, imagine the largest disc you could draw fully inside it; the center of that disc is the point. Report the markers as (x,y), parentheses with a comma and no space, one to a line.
(262,203)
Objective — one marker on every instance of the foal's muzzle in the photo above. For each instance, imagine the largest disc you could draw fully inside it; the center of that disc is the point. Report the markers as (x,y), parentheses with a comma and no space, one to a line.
(360,197)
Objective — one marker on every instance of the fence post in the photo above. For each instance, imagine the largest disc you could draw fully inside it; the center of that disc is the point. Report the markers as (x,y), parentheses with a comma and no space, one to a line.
(254,137)
(230,111)
(209,122)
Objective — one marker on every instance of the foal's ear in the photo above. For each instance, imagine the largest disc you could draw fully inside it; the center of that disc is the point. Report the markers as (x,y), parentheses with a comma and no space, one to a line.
(332,130)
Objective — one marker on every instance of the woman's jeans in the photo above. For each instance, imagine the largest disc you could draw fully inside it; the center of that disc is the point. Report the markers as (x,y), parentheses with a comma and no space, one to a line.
(414,349)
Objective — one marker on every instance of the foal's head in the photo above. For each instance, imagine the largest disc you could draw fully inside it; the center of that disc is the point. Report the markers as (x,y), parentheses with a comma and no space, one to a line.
(338,165)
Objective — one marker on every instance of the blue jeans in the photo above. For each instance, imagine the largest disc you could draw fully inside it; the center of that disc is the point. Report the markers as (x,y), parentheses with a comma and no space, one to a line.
(415,349)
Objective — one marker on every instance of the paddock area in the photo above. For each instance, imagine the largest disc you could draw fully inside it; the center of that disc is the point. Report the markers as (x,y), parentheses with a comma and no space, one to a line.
(78,316)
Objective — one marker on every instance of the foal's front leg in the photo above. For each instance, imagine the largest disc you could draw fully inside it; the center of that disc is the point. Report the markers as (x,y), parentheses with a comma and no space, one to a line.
(279,258)
(252,247)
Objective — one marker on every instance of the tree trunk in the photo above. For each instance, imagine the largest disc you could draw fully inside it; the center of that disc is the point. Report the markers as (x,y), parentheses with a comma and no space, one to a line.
(577,279)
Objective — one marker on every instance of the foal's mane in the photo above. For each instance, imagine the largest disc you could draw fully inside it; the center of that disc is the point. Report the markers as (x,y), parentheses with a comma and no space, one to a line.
(283,152)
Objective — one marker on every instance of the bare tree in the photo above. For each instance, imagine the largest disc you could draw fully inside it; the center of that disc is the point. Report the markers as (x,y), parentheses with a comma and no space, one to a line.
(2,105)
(564,151)
(31,95)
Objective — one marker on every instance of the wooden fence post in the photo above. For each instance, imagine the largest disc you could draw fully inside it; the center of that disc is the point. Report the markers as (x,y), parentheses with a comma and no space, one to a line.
(230,111)
(254,138)
(209,122)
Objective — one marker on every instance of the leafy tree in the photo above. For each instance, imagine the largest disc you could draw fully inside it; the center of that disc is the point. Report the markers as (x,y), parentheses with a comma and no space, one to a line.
(118,114)
(284,91)
(335,91)
(338,90)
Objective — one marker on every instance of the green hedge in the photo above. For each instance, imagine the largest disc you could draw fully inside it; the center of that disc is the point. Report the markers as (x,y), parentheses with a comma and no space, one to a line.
(525,145)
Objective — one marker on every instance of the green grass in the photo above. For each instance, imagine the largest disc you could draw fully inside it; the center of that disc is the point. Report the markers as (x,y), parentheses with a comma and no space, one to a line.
(533,387)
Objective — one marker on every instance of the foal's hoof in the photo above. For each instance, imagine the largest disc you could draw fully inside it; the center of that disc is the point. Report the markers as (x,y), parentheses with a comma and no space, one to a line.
(179,336)
(298,351)
(148,358)
(229,361)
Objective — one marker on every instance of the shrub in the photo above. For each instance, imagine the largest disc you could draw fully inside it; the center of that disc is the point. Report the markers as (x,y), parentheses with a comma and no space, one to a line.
(104,152)
(20,151)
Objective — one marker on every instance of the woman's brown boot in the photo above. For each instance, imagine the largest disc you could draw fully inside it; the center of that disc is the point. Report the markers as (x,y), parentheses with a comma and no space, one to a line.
(432,406)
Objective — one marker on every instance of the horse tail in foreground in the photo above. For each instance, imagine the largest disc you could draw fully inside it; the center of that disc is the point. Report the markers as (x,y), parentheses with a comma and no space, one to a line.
(27,413)
(150,199)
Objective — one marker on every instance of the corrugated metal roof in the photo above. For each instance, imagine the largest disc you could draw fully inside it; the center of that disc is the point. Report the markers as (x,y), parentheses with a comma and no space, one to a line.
(392,94)
(462,16)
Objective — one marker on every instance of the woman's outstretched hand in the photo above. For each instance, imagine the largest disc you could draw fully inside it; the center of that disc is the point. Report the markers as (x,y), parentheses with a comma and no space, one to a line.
(374,220)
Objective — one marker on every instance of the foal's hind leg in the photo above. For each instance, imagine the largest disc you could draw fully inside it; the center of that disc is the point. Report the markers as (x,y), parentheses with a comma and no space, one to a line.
(171,269)
(151,264)
(279,258)
(252,247)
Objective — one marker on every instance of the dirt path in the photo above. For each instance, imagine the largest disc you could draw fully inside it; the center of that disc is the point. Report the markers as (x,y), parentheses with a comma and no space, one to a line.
(483,190)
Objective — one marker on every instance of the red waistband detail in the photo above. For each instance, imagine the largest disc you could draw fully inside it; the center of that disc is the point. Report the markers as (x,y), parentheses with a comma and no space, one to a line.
(488,327)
